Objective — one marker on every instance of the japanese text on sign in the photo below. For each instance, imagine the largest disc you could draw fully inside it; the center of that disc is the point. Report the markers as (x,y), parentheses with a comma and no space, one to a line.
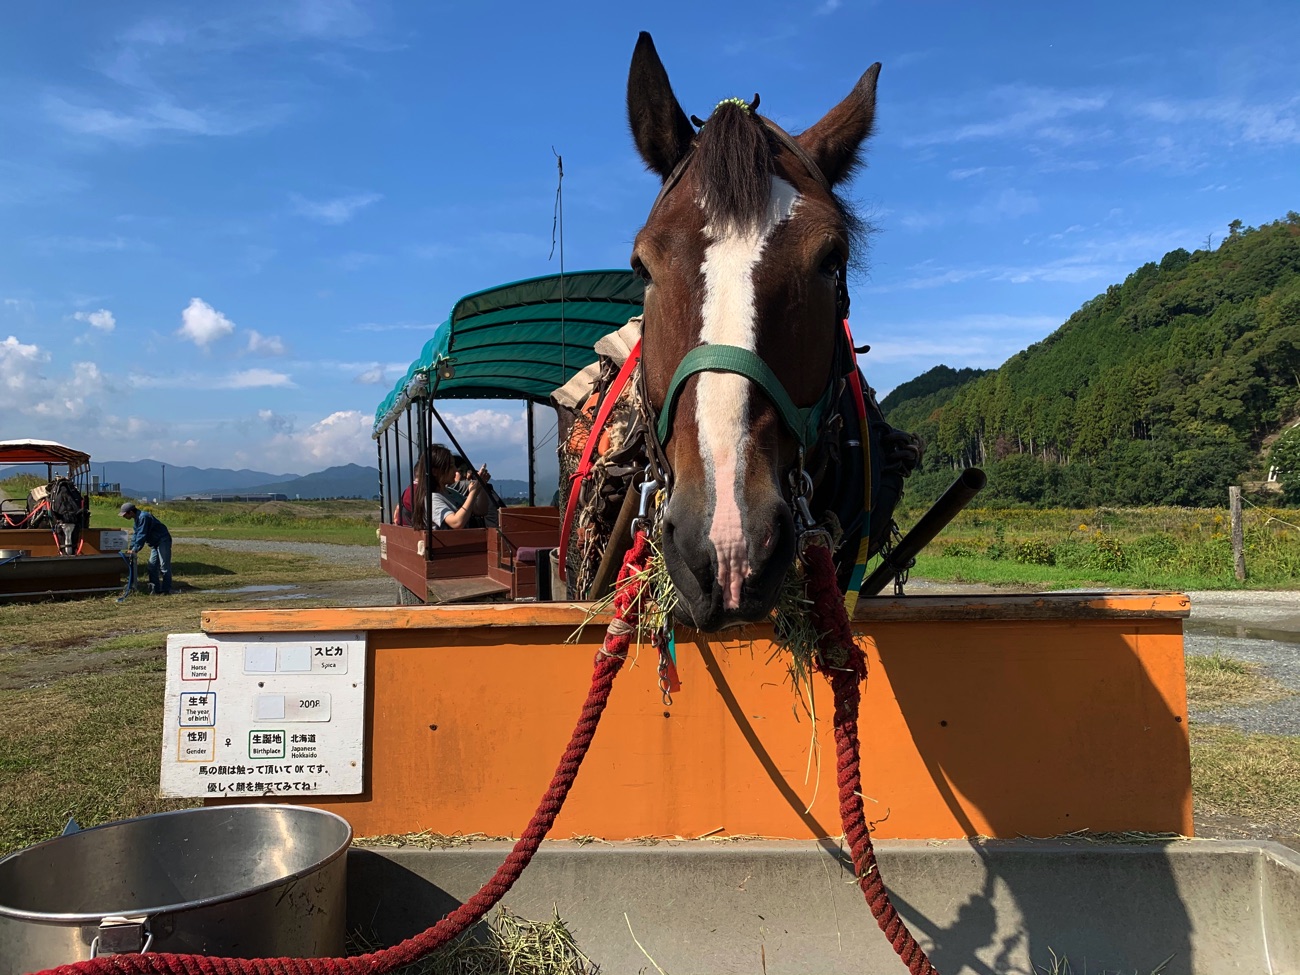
(264,714)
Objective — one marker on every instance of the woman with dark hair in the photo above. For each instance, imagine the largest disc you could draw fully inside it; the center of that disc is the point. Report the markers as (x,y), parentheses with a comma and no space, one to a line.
(446,508)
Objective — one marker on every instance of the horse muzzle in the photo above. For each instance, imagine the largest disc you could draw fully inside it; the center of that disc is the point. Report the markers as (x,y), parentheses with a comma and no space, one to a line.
(726,579)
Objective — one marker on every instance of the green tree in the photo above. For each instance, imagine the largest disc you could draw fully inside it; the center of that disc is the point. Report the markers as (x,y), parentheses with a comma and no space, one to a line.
(1285,458)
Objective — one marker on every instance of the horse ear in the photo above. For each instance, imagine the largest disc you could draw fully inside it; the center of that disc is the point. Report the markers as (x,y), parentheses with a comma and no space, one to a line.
(660,128)
(835,141)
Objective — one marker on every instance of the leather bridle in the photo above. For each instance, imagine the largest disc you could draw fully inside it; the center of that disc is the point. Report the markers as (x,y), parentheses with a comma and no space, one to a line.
(807,424)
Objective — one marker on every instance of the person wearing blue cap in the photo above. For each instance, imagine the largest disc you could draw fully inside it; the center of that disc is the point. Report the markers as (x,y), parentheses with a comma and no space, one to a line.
(149,530)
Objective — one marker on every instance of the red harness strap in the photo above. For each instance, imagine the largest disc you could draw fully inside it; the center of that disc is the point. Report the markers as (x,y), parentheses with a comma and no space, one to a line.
(589,452)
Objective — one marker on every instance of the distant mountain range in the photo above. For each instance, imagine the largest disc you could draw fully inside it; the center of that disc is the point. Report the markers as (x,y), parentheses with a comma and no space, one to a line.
(145,479)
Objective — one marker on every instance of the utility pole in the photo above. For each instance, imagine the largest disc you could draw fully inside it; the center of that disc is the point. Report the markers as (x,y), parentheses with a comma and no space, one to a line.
(163,496)
(1238,538)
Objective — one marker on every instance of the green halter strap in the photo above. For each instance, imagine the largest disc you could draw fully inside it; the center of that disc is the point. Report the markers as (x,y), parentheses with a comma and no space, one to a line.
(804,422)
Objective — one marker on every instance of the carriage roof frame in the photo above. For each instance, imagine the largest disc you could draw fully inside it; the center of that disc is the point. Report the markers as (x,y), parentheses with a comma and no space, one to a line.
(521,340)
(27,451)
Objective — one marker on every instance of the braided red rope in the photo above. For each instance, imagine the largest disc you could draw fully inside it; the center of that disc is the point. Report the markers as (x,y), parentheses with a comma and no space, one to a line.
(832,622)
(609,660)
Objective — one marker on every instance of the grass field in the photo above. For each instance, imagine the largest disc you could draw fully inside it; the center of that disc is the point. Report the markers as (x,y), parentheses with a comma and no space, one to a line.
(81,683)
(81,689)
(1149,548)
(345,522)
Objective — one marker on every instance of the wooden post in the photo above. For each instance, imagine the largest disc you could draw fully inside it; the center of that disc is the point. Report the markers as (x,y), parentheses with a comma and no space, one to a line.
(1238,541)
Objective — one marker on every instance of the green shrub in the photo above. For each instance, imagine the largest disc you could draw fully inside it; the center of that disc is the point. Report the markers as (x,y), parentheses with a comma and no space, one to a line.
(1108,553)
(1156,549)
(997,549)
(1033,552)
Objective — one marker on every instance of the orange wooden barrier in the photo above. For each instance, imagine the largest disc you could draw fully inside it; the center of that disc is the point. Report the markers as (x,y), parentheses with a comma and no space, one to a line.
(985,715)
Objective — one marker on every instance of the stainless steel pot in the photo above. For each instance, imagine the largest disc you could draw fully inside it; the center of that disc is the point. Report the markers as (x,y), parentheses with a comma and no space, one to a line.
(255,881)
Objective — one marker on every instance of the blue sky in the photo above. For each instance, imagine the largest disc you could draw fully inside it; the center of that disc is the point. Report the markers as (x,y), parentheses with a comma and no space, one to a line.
(225,229)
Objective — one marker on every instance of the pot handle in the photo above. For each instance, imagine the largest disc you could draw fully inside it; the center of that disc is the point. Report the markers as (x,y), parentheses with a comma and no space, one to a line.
(119,935)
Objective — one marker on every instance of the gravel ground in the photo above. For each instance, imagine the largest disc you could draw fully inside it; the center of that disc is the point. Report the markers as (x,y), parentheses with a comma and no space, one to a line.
(342,554)
(1262,628)
(380,590)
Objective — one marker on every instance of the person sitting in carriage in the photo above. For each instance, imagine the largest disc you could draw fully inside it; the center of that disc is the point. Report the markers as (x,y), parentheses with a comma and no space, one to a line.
(449,506)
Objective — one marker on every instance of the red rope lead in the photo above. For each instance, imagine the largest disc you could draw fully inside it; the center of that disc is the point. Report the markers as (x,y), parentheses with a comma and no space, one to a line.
(832,621)
(609,660)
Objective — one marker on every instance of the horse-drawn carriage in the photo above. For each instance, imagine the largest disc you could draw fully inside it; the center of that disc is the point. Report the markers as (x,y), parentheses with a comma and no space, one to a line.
(518,342)
(572,342)
(47,547)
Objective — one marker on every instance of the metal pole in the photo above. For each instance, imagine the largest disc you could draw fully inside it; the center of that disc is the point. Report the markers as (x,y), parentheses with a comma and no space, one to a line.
(379,463)
(532,462)
(386,475)
(903,555)
(1238,536)
(410,454)
(426,487)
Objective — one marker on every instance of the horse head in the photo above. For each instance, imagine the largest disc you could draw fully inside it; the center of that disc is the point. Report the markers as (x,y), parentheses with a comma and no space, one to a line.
(743,255)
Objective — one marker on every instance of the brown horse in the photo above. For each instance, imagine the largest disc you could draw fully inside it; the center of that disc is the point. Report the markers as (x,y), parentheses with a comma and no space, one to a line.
(743,351)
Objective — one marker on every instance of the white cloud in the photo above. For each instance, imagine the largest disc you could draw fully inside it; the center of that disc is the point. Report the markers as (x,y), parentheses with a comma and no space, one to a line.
(982,339)
(327,19)
(88,245)
(158,115)
(244,379)
(1006,205)
(202,324)
(102,319)
(488,426)
(340,438)
(354,260)
(336,211)
(27,391)
(255,379)
(265,344)
(1021,110)
(276,422)
(1276,124)
(373,376)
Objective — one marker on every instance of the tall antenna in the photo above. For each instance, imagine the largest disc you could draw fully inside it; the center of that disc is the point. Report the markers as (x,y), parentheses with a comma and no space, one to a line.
(557,228)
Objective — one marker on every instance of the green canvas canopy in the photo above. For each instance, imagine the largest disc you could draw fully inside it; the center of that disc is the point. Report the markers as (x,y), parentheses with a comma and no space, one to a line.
(517,341)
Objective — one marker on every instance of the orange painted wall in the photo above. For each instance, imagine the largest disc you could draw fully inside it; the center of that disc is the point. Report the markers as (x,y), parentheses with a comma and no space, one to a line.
(1025,727)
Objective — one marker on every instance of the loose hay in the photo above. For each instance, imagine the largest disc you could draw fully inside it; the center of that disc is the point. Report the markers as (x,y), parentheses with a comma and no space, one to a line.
(507,945)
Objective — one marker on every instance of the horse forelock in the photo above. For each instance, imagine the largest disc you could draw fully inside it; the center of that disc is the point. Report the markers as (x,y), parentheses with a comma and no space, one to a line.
(733,168)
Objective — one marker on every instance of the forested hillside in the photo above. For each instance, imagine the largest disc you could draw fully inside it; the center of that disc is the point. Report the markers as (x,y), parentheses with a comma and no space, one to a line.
(1159,391)
(911,403)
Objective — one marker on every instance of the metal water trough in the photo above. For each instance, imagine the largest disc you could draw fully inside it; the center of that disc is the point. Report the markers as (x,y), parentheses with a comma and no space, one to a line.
(250,881)
(1201,907)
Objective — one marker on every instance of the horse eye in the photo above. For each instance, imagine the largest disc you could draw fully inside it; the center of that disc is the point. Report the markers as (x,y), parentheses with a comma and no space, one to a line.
(640,271)
(832,264)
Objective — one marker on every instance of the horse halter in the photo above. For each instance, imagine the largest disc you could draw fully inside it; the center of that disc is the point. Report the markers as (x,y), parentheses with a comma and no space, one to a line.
(807,424)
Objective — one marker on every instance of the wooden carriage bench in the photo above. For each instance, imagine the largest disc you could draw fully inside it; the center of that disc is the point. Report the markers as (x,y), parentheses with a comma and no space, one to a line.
(473,564)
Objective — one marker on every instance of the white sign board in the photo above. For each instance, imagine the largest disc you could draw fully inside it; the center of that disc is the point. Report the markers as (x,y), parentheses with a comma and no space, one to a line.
(265,714)
(113,541)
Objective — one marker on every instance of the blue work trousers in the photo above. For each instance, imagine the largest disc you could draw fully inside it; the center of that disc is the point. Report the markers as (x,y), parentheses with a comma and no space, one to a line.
(160,567)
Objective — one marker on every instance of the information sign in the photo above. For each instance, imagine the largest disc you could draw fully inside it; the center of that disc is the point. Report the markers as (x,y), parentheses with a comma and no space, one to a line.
(264,714)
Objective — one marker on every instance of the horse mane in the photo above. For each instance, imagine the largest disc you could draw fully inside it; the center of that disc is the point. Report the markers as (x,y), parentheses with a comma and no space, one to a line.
(734,153)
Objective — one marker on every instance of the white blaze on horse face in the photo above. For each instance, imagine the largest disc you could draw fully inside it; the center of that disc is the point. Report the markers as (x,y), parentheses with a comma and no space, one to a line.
(722,398)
